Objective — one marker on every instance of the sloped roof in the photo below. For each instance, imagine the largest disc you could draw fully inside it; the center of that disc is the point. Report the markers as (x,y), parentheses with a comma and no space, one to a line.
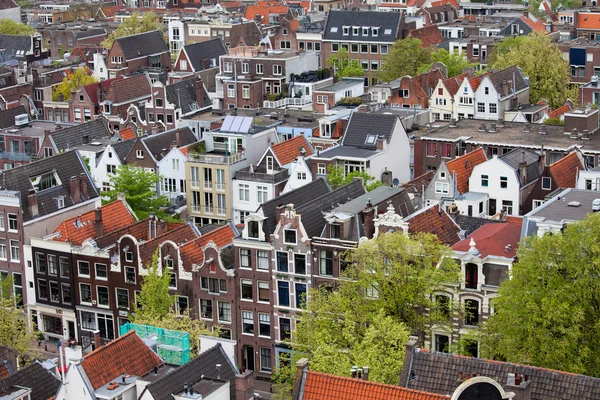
(202,365)
(7,117)
(417,184)
(43,383)
(471,224)
(138,230)
(14,43)
(462,167)
(127,354)
(434,220)
(199,54)
(129,88)
(142,44)
(191,252)
(589,20)
(179,235)
(387,22)
(127,133)
(452,84)
(156,143)
(560,111)
(428,35)
(532,162)
(264,9)
(361,125)
(512,74)
(76,230)
(321,386)
(437,373)
(92,88)
(289,150)
(66,165)
(183,95)
(564,171)
(536,24)
(492,240)
(123,148)
(73,136)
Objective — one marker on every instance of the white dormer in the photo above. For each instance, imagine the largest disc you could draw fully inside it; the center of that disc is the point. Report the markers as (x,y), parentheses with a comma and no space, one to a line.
(253,228)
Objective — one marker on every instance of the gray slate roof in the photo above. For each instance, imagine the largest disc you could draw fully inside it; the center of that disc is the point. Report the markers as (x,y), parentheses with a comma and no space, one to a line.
(203,364)
(123,148)
(471,224)
(42,383)
(66,165)
(512,74)
(183,94)
(199,54)
(7,117)
(362,124)
(383,20)
(156,143)
(142,44)
(90,33)
(13,43)
(312,212)
(437,373)
(72,137)
(532,159)
(297,197)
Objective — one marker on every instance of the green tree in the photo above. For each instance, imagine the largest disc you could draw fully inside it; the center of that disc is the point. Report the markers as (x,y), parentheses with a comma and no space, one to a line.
(390,283)
(344,66)
(130,26)
(10,27)
(139,188)
(352,70)
(336,178)
(406,57)
(453,62)
(504,46)
(71,83)
(541,60)
(548,313)
(14,331)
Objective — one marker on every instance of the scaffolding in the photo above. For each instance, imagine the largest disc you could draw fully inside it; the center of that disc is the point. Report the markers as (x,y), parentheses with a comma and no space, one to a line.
(173,347)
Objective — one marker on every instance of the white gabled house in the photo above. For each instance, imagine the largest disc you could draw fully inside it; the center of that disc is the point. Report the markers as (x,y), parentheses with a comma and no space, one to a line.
(499,92)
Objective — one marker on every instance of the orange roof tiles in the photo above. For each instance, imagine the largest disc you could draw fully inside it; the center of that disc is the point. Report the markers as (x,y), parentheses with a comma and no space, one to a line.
(264,9)
(536,25)
(440,3)
(494,239)
(76,230)
(192,253)
(127,134)
(564,171)
(321,386)
(559,111)
(177,233)
(461,167)
(128,354)
(294,25)
(588,21)
(4,372)
(288,151)
(429,35)
(452,84)
(436,221)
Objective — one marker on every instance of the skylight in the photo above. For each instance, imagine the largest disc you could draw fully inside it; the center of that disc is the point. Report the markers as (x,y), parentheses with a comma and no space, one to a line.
(387,32)
(333,29)
(371,139)
(45,181)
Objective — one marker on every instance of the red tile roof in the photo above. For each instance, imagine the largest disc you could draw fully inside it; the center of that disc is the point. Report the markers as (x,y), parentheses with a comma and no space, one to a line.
(132,87)
(128,354)
(494,239)
(429,35)
(436,221)
(588,21)
(4,372)
(452,84)
(559,111)
(264,9)
(564,171)
(462,167)
(320,386)
(115,215)
(536,24)
(180,234)
(192,253)
(288,151)
(440,3)
(127,134)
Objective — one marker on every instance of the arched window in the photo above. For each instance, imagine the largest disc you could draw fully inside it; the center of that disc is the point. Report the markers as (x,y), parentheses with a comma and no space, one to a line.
(471,312)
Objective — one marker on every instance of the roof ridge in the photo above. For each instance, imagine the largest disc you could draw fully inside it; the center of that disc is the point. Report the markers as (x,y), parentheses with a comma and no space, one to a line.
(111,343)
(330,193)
(572,153)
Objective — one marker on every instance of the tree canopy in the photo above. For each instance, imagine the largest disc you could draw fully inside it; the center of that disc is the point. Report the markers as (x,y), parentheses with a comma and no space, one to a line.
(390,283)
(149,21)
(548,313)
(71,83)
(406,57)
(336,178)
(455,63)
(10,27)
(542,61)
(139,188)
(344,66)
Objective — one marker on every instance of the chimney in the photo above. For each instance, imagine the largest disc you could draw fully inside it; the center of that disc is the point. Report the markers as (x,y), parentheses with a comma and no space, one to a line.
(366,373)
(96,339)
(83,186)
(33,203)
(86,139)
(121,197)
(369,215)
(526,14)
(542,159)
(523,167)
(177,138)
(520,386)
(185,388)
(244,385)
(74,189)
(301,368)
(199,89)
(408,360)
(505,88)
(379,143)
(98,221)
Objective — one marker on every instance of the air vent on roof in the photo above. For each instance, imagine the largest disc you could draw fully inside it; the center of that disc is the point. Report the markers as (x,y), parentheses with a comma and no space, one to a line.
(96,144)
(21,119)
(574,204)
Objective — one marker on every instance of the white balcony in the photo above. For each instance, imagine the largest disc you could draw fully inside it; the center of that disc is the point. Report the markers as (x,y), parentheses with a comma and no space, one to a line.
(286,102)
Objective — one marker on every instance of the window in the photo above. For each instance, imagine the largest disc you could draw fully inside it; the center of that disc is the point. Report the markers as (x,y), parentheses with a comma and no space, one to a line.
(247,323)
(54,292)
(285,329)
(2,221)
(111,169)
(265,359)
(245,91)
(230,90)
(246,289)
(83,268)
(383,49)
(431,149)
(85,291)
(3,249)
(101,272)
(374,49)
(364,48)
(182,304)
(259,69)
(65,268)
(285,44)
(503,182)
(52,265)
(224,311)
(321,169)
(262,192)
(130,275)
(283,293)
(206,309)
(14,251)
(471,312)
(264,325)
(537,203)
(66,293)
(301,176)
(123,298)
(300,264)
(42,289)
(321,99)
(443,306)
(227,66)
(244,192)
(546,183)
(282,261)
(484,180)
(481,107)
(183,65)
(325,262)
(345,30)
(102,292)
(471,275)
(139,153)
(442,187)
(263,292)
(289,236)
(263,260)
(300,295)
(493,108)
(40,263)
(277,69)
(507,207)
(442,344)
(245,68)
(12,222)
(245,258)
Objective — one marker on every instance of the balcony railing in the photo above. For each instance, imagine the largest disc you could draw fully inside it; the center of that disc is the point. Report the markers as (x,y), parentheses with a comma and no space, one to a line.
(286,102)
(221,211)
(220,186)
(14,156)
(218,159)
(207,184)
(196,208)
(262,176)
(195,184)
(208,210)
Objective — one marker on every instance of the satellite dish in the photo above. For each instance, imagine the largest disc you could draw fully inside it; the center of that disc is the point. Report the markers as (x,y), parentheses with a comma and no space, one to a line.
(395,182)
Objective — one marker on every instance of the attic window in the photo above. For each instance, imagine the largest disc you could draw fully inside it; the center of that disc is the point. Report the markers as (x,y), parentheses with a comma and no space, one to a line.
(387,32)
(371,139)
(345,30)
(355,30)
(365,31)
(333,29)
(45,181)
(60,202)
(546,183)
(375,31)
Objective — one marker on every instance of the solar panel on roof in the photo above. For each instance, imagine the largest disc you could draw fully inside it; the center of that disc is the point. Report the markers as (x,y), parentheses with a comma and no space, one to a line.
(235,125)
(227,123)
(246,124)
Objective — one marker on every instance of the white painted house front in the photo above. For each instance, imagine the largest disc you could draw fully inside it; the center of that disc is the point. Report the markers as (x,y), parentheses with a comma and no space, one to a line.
(106,166)
(441,103)
(500,92)
(171,169)
(464,101)
(300,175)
(500,181)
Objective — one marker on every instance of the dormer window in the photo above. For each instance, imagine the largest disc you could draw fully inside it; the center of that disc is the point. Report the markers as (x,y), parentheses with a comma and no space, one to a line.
(252,229)
(371,139)
(345,30)
(355,30)
(269,164)
(45,181)
(365,31)
(335,231)
(60,202)
(375,31)
(289,236)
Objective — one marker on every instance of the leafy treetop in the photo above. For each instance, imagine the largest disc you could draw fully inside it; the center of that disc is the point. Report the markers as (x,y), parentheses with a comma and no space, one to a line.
(135,24)
(337,179)
(10,27)
(71,83)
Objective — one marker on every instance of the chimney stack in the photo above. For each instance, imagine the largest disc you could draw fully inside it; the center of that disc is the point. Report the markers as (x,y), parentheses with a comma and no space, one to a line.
(523,167)
(366,373)
(97,339)
(301,367)
(86,139)
(74,189)
(98,221)
(33,203)
(83,186)
(244,385)
(177,138)
(199,89)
